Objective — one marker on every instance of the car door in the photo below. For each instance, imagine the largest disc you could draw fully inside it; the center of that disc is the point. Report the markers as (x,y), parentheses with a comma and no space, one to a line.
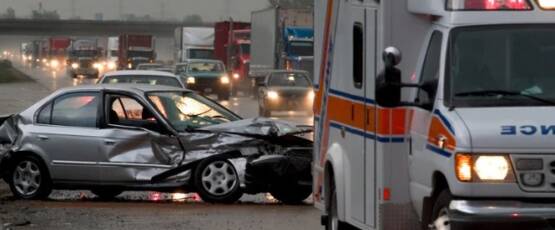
(67,132)
(134,148)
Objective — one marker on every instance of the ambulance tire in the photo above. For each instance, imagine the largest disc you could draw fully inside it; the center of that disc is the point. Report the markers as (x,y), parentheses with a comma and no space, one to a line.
(440,212)
(333,222)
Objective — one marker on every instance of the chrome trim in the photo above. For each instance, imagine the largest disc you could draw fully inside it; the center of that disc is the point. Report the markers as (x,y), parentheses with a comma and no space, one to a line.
(88,163)
(125,164)
(502,208)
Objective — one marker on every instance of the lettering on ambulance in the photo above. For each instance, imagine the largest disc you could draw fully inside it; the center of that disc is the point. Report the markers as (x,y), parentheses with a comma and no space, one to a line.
(441,136)
(528,130)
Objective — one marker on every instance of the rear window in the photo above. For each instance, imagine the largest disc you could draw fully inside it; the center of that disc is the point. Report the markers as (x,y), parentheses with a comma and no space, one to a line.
(289,79)
(142,79)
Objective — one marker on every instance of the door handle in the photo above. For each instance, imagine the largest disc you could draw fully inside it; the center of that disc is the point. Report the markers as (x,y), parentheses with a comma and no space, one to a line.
(43,137)
(109,142)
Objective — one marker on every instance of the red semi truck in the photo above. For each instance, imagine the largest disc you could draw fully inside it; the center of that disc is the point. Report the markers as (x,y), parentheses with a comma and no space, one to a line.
(135,49)
(57,51)
(235,37)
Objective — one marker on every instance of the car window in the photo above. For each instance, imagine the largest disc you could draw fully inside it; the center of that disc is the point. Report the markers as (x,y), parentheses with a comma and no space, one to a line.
(79,110)
(127,111)
(205,67)
(289,79)
(45,114)
(142,79)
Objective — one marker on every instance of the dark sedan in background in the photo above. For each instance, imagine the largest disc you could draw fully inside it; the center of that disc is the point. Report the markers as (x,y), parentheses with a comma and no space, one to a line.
(284,90)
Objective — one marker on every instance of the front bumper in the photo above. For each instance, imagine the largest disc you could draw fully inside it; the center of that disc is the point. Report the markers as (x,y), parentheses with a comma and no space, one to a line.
(506,215)
(284,104)
(85,71)
(208,86)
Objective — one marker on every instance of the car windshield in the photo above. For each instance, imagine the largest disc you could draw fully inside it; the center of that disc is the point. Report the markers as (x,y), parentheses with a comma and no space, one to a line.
(185,110)
(501,66)
(289,79)
(302,48)
(142,79)
(201,54)
(205,67)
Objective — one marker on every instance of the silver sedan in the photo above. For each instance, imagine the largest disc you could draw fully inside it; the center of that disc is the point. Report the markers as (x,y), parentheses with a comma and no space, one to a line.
(114,138)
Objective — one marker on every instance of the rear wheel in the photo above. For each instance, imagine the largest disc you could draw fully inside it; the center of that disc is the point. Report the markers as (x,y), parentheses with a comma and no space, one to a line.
(217,181)
(29,179)
(440,214)
(333,222)
(106,194)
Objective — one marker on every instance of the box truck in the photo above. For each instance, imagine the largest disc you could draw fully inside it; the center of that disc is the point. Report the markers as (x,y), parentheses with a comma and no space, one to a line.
(435,114)
(232,46)
(194,43)
(135,49)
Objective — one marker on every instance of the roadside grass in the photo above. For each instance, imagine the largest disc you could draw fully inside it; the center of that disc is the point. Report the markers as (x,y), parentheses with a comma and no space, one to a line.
(9,74)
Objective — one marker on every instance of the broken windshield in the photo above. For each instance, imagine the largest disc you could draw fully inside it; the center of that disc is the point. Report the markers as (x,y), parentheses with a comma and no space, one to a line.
(185,111)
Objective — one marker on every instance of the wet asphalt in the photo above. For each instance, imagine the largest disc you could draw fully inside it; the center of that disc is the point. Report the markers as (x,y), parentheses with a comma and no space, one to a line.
(141,210)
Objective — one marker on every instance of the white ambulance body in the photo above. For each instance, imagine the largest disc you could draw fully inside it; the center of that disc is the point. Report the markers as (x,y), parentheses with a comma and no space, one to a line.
(474,144)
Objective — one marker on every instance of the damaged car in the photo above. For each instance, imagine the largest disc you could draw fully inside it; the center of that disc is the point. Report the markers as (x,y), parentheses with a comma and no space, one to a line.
(115,138)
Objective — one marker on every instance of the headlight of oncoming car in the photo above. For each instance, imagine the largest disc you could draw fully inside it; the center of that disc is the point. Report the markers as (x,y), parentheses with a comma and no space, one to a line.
(74,65)
(224,79)
(273,95)
(483,168)
(191,80)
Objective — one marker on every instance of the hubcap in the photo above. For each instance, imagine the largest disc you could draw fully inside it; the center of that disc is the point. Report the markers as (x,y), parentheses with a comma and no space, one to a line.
(27,178)
(219,178)
(442,221)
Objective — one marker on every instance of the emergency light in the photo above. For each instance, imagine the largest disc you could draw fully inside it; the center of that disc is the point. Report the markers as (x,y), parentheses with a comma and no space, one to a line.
(493,5)
(547,4)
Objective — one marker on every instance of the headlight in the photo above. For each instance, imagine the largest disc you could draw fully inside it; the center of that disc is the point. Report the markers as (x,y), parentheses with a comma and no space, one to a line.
(54,63)
(311,95)
(486,168)
(191,80)
(97,65)
(273,95)
(74,65)
(44,60)
(130,66)
(111,65)
(224,79)
(236,76)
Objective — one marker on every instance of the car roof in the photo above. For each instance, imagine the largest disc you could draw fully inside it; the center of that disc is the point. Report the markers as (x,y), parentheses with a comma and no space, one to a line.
(139,72)
(198,60)
(137,88)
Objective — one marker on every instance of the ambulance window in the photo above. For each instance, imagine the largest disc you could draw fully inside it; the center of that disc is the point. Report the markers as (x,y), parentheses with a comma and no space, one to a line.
(430,71)
(358,54)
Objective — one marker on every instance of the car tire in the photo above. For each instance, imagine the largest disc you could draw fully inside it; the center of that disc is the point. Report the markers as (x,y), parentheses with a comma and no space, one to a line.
(217,181)
(333,222)
(223,96)
(29,179)
(440,212)
(106,194)
(291,194)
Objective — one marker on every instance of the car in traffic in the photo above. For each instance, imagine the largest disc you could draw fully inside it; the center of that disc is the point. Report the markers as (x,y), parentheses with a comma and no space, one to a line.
(284,90)
(142,77)
(206,77)
(110,138)
(149,66)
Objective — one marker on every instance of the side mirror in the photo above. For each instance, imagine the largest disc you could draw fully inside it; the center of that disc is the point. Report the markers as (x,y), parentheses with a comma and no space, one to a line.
(388,85)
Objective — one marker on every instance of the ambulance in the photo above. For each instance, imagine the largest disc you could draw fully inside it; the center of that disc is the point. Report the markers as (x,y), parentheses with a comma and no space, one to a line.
(435,114)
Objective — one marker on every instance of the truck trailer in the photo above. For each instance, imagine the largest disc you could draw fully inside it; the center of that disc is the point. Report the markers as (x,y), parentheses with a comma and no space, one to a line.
(281,38)
(194,43)
(135,49)
(434,114)
(57,51)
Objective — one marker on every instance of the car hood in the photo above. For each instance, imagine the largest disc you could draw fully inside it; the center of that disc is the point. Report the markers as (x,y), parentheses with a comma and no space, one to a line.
(260,127)
(510,128)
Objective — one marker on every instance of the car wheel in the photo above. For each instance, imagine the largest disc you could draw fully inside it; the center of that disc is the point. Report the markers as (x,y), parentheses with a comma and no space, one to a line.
(29,179)
(333,222)
(291,194)
(223,96)
(440,212)
(217,181)
(107,194)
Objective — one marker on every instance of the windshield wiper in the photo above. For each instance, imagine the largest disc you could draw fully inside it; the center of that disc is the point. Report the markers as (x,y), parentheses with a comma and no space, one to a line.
(504,93)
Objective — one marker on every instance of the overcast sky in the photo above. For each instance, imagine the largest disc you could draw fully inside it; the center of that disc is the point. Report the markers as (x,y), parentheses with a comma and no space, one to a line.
(210,10)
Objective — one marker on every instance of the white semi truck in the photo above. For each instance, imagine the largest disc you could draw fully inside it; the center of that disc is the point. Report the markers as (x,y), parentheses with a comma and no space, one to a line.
(194,43)
(469,141)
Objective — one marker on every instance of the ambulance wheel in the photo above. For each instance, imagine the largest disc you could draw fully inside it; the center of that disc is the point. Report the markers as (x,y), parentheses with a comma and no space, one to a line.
(440,213)
(217,181)
(333,222)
